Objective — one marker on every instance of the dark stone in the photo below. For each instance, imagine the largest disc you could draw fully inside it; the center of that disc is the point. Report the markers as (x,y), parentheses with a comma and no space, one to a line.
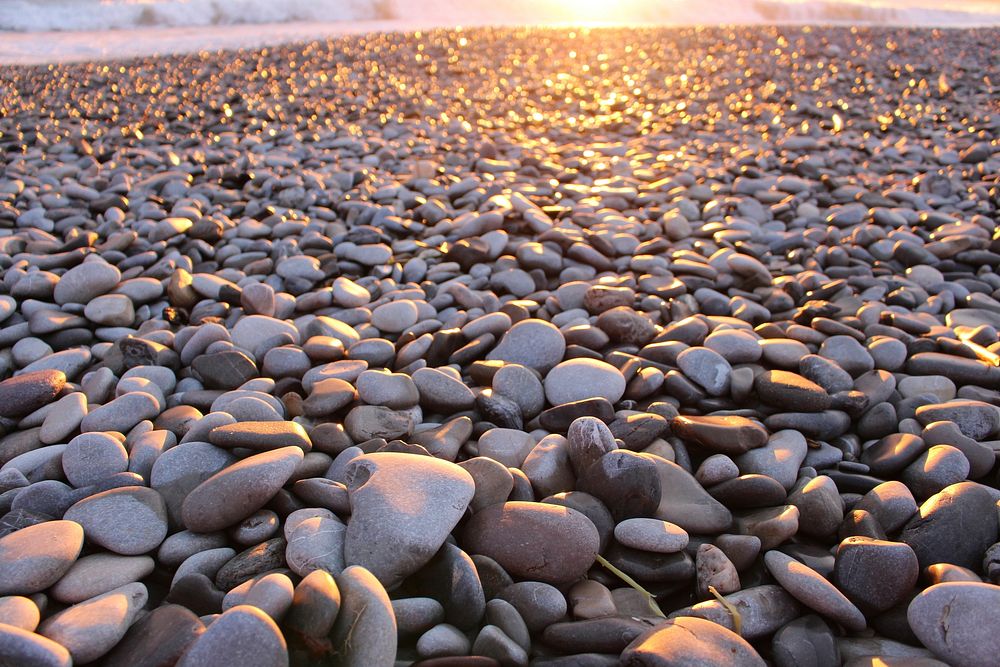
(157,640)
(626,482)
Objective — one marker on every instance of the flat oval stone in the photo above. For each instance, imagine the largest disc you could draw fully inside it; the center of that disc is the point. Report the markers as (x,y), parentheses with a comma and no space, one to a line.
(130,520)
(253,330)
(365,631)
(729,434)
(651,535)
(580,379)
(687,640)
(25,393)
(20,647)
(791,392)
(811,589)
(99,573)
(395,316)
(243,635)
(707,368)
(533,343)
(91,628)
(536,541)
(976,419)
(762,609)
(407,500)
(260,436)
(626,482)
(949,619)
(236,492)
(315,605)
(90,458)
(86,281)
(35,557)
(122,414)
(19,611)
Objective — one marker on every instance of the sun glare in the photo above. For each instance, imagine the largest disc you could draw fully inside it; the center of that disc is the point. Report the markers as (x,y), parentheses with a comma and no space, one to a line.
(596,12)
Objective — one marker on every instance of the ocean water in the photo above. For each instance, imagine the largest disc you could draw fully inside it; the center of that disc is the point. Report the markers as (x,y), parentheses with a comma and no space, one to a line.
(36,31)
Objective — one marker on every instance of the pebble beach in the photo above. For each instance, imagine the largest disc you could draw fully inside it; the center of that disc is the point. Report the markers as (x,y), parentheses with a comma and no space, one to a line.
(505,346)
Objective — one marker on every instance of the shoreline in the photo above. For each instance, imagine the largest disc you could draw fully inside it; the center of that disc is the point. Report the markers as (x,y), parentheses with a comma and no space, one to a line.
(35,48)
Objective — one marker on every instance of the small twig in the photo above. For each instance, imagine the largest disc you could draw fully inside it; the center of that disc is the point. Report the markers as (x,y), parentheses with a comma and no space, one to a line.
(731,608)
(650,600)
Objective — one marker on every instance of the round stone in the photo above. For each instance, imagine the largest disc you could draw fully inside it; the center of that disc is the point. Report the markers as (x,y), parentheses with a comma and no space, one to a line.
(579,379)
(533,343)
(651,535)
(687,640)
(91,628)
(92,457)
(86,281)
(130,520)
(244,636)
(407,500)
(35,557)
(395,316)
(536,541)
(21,647)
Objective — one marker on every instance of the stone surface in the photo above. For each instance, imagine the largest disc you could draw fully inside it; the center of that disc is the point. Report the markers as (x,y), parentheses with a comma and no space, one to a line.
(534,540)
(93,627)
(131,520)
(948,619)
(579,379)
(812,590)
(690,641)
(242,635)
(410,501)
(239,490)
(35,557)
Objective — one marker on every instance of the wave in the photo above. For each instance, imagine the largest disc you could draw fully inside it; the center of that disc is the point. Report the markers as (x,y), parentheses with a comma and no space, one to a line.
(90,15)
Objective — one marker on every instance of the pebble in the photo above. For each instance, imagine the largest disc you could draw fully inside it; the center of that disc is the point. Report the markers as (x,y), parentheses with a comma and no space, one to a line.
(91,628)
(99,573)
(533,343)
(945,529)
(239,490)
(651,535)
(316,544)
(37,556)
(690,641)
(947,618)
(242,635)
(811,589)
(20,612)
(580,379)
(875,574)
(411,501)
(365,631)
(130,520)
(21,647)
(28,392)
(534,540)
